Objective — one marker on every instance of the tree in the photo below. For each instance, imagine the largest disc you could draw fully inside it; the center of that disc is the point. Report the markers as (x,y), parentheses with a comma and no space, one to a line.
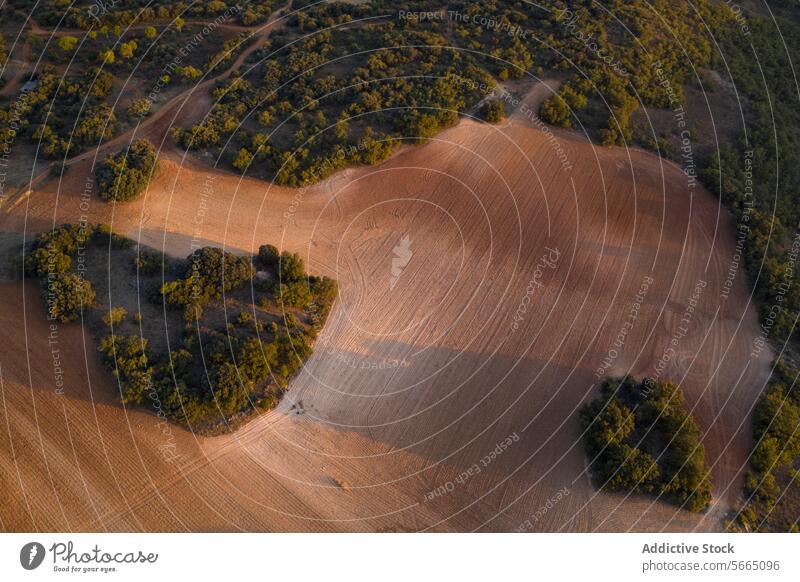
(230,391)
(115,316)
(555,111)
(66,294)
(291,268)
(124,176)
(268,256)
(126,357)
(640,439)
(150,32)
(493,111)
(209,273)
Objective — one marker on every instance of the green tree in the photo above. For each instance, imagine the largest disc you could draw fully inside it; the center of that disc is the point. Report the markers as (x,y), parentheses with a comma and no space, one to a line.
(66,294)
(124,176)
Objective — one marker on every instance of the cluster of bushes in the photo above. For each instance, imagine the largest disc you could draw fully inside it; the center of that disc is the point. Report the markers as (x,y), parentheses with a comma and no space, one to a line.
(124,176)
(761,191)
(645,64)
(774,460)
(493,111)
(293,288)
(66,114)
(50,259)
(209,274)
(216,373)
(639,439)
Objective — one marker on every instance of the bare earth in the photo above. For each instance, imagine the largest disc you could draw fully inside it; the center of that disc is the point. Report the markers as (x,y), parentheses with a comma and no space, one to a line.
(493,343)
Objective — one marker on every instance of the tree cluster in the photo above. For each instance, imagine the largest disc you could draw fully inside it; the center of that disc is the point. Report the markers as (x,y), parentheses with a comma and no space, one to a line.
(50,259)
(639,439)
(122,177)
(775,456)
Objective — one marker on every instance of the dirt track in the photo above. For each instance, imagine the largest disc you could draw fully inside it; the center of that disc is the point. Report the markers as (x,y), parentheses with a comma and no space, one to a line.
(359,443)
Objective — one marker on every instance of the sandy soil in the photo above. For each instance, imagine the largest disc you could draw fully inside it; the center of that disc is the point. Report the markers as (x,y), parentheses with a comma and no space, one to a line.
(456,330)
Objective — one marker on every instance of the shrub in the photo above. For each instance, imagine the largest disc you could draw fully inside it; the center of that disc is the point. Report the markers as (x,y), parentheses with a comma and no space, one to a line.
(244,318)
(139,108)
(189,73)
(126,357)
(67,43)
(122,177)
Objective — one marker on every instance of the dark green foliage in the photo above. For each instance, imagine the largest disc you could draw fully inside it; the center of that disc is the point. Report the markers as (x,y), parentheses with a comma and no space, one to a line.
(105,236)
(66,295)
(319,120)
(132,12)
(210,272)
(52,250)
(268,257)
(776,429)
(50,259)
(147,262)
(124,176)
(291,268)
(751,175)
(296,294)
(493,111)
(639,439)
(126,357)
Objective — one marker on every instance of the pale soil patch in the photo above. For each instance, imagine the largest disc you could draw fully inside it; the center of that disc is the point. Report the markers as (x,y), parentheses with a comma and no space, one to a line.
(420,372)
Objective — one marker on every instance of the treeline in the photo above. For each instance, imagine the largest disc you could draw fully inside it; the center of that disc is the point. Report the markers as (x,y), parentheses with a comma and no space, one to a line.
(639,439)
(298,117)
(755,176)
(757,180)
(772,485)
(621,56)
(216,374)
(86,14)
